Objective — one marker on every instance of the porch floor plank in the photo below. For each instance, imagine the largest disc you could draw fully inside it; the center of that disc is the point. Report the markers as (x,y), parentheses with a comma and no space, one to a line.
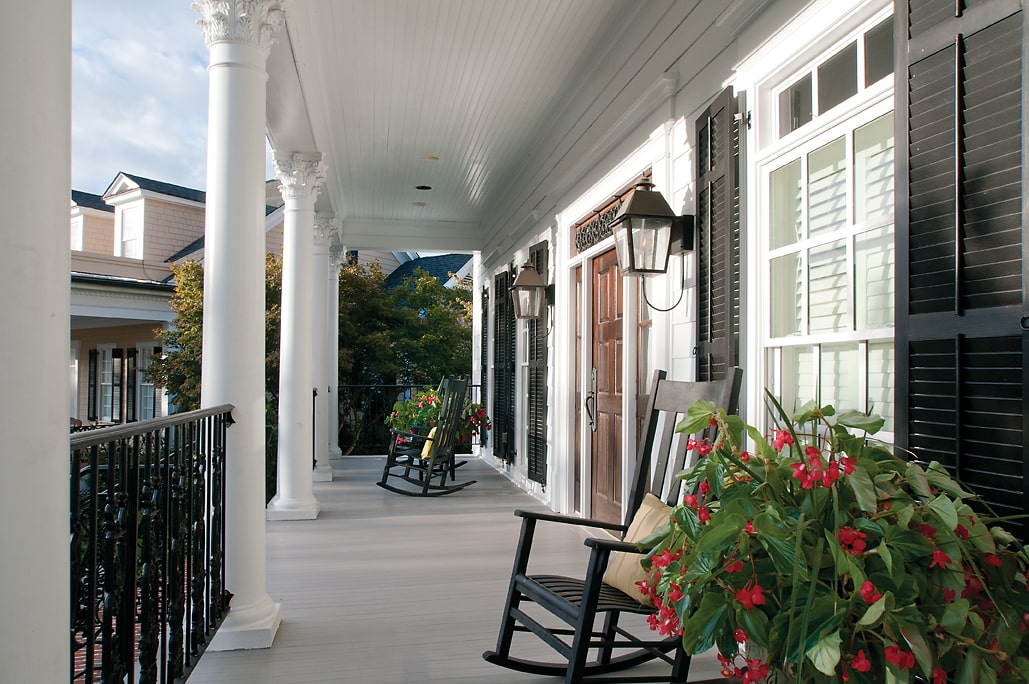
(385,589)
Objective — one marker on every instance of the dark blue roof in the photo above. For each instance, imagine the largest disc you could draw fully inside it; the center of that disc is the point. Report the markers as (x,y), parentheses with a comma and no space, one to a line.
(166,188)
(88,199)
(440,267)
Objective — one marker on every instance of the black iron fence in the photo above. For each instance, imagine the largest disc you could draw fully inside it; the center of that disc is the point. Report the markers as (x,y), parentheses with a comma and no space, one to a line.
(147,546)
(363,410)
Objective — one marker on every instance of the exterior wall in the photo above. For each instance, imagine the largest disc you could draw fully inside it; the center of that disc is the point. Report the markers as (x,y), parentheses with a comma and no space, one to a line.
(120,267)
(273,240)
(121,337)
(98,234)
(169,227)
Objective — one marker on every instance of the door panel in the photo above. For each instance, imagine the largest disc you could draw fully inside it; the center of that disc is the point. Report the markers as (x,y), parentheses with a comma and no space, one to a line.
(605,457)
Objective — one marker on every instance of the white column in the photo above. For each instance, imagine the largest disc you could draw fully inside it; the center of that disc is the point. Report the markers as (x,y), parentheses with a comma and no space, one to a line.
(300,175)
(35,145)
(239,35)
(336,255)
(323,230)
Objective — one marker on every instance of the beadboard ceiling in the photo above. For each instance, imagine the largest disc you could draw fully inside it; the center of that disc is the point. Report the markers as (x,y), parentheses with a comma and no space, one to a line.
(388,85)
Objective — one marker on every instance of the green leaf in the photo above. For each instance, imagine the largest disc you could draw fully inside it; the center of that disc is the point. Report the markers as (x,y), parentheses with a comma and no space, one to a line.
(755,624)
(968,673)
(711,618)
(939,477)
(884,553)
(697,418)
(915,636)
(764,449)
(874,612)
(825,655)
(864,489)
(944,508)
(955,616)
(917,479)
(860,421)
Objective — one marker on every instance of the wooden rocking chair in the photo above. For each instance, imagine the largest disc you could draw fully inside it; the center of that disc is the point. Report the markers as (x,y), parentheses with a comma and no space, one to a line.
(424,461)
(577,602)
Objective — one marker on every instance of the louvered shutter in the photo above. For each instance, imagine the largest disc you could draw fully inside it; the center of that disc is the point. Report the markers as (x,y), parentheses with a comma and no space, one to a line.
(130,385)
(484,360)
(961,299)
(503,369)
(718,238)
(538,372)
(117,382)
(92,410)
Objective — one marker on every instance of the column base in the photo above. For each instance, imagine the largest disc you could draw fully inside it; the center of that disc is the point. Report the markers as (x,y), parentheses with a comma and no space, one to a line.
(292,510)
(249,628)
(322,473)
(335,453)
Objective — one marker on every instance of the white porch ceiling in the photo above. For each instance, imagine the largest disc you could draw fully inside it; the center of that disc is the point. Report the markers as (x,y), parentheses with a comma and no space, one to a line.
(512,96)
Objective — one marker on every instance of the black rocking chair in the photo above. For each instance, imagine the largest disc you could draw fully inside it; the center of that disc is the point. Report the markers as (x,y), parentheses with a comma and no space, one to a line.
(424,461)
(577,602)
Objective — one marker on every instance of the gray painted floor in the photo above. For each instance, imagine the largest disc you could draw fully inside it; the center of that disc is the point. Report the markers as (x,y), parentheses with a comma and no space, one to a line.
(388,589)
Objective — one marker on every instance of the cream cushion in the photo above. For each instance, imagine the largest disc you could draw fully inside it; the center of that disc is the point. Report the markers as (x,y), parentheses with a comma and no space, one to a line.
(624,569)
(427,447)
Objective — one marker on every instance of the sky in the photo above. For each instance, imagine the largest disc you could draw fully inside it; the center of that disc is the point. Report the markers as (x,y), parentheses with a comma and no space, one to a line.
(139,93)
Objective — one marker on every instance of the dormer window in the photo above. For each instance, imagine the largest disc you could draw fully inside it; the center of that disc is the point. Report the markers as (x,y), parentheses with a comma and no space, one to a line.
(130,231)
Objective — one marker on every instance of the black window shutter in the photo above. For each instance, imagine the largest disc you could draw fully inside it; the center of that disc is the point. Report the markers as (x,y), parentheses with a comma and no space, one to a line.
(484,360)
(91,395)
(718,238)
(130,386)
(504,336)
(117,382)
(538,372)
(960,230)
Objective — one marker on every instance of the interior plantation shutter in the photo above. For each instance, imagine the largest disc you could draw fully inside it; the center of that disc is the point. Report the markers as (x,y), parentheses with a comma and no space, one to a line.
(718,238)
(504,337)
(538,372)
(961,248)
(92,408)
(131,383)
(484,360)
(117,382)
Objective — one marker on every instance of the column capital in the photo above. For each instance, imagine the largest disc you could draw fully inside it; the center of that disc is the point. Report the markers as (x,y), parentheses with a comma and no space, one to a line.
(252,22)
(336,255)
(324,227)
(300,174)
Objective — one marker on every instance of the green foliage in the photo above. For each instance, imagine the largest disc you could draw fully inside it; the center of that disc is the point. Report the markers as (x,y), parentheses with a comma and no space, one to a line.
(835,560)
(421,412)
(179,369)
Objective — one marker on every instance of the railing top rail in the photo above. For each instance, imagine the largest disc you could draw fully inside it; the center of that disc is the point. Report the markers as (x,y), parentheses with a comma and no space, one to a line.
(89,438)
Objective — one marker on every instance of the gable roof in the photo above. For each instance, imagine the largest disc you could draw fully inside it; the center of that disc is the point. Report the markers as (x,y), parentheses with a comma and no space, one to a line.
(439,266)
(159,187)
(90,201)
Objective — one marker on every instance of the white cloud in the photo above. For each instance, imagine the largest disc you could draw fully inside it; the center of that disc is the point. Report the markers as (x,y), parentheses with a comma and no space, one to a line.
(139,93)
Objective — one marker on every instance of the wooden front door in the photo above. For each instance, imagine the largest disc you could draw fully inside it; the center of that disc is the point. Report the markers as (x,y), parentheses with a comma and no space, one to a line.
(606,390)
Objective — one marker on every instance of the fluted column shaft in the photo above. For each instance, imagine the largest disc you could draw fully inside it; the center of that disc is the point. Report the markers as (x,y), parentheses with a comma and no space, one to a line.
(239,35)
(332,352)
(35,115)
(319,335)
(300,175)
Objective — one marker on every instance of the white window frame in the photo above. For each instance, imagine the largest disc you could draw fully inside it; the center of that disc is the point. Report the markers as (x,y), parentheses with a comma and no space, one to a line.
(105,397)
(143,352)
(77,223)
(134,212)
(825,27)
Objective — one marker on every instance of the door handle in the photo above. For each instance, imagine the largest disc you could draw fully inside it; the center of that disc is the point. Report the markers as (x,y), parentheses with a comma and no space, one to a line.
(591,402)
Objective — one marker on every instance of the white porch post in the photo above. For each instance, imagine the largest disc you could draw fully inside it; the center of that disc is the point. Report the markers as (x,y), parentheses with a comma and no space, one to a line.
(239,35)
(332,353)
(323,230)
(35,184)
(301,174)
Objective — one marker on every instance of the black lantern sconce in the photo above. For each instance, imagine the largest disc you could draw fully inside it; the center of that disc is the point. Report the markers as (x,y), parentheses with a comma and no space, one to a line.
(529,293)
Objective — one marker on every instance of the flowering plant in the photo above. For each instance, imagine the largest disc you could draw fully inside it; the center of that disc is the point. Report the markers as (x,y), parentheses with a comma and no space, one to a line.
(823,557)
(421,411)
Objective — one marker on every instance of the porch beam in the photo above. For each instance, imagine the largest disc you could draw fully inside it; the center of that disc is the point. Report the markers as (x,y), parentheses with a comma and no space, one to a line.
(442,236)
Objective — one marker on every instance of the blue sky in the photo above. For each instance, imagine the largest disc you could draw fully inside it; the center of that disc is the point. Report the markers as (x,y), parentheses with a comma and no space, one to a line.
(139,93)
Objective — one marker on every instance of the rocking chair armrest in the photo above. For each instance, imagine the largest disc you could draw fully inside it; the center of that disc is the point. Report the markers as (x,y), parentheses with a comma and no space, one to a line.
(612,545)
(570,520)
(409,434)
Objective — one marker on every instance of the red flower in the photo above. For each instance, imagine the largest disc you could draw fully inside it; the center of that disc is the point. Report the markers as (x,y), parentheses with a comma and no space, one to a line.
(848,464)
(756,671)
(781,439)
(740,635)
(703,514)
(941,559)
(860,662)
(853,541)
(734,567)
(744,456)
(869,594)
(704,487)
(992,559)
(927,531)
(949,595)
(939,676)
(831,474)
(750,529)
(961,532)
(813,453)
(691,501)
(751,597)
(902,659)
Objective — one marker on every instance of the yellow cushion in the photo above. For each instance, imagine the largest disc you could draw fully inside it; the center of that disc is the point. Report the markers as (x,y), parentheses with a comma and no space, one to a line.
(624,569)
(427,448)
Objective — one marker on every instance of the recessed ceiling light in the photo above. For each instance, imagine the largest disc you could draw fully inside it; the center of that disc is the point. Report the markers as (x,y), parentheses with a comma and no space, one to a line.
(432,157)
(423,187)
(417,204)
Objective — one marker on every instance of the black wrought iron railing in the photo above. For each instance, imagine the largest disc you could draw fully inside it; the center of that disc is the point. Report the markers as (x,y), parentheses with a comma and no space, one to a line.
(362,415)
(147,546)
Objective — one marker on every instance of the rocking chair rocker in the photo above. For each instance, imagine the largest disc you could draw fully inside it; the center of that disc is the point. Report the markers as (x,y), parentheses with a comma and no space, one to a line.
(577,602)
(426,461)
